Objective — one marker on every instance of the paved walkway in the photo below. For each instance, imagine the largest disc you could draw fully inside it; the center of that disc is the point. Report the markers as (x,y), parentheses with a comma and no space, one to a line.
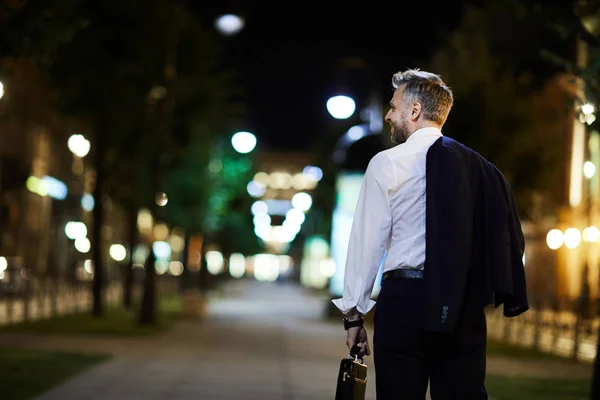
(263,341)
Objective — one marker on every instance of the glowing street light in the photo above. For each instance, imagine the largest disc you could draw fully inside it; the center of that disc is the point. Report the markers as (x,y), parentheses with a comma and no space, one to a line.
(1,90)
(587,113)
(229,24)
(555,239)
(589,169)
(79,145)
(572,238)
(341,107)
(243,142)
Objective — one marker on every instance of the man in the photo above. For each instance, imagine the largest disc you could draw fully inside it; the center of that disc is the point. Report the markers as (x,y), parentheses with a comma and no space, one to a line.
(446,220)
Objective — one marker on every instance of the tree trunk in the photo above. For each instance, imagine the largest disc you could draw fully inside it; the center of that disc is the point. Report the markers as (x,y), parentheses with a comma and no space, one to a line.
(184,279)
(128,281)
(148,309)
(98,222)
(163,136)
(203,275)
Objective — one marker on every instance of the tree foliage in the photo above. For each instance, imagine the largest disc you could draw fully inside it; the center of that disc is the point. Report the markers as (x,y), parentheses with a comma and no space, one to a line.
(507,106)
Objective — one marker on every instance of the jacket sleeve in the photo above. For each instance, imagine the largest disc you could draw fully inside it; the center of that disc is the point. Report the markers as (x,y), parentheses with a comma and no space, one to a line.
(516,304)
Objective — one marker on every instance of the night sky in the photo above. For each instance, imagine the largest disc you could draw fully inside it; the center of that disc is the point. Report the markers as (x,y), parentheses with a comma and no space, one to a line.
(288,55)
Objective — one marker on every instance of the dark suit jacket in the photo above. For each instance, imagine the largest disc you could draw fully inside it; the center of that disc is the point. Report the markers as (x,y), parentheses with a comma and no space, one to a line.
(474,241)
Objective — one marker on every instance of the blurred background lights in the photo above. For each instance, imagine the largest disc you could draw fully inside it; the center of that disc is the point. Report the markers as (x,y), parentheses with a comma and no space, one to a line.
(295,215)
(55,188)
(587,109)
(229,24)
(87,202)
(554,239)
(237,265)
(255,189)
(88,266)
(215,165)
(259,207)
(327,267)
(589,169)
(175,268)
(266,267)
(161,267)
(243,142)
(82,245)
(160,232)
(587,114)
(313,171)
(591,234)
(262,178)
(79,145)
(75,230)
(37,186)
(161,250)
(302,201)
(1,90)
(356,132)
(341,107)
(572,238)
(161,199)
(145,221)
(262,219)
(214,262)
(140,253)
(177,243)
(117,252)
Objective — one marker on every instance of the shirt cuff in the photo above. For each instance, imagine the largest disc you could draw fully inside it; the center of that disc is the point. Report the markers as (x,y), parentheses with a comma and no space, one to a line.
(345,306)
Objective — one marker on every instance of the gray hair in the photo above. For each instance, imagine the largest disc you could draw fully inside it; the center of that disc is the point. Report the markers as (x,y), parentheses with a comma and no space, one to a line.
(428,89)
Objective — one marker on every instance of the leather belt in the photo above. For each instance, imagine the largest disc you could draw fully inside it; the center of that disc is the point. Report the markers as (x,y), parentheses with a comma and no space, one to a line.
(403,274)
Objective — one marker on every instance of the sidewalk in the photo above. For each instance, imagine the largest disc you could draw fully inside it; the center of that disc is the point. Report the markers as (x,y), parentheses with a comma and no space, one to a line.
(267,341)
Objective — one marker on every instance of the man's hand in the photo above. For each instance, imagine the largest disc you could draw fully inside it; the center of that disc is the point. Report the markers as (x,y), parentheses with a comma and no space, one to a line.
(358,335)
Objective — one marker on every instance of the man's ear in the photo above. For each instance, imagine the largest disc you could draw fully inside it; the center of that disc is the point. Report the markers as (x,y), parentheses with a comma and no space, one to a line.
(415,111)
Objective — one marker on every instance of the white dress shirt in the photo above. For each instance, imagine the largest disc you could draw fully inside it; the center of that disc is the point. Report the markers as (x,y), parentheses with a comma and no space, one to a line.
(389,215)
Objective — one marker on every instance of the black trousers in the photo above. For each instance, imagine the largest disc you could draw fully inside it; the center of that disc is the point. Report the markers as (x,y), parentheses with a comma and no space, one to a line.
(406,358)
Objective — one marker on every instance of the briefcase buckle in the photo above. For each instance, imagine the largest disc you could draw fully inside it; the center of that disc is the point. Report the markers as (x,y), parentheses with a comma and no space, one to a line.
(346,375)
(355,358)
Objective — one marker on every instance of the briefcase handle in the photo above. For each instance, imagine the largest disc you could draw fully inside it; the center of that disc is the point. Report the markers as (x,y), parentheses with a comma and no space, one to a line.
(354,353)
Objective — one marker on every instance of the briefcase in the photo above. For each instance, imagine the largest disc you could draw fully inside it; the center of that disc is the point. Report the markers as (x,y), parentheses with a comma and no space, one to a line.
(352,377)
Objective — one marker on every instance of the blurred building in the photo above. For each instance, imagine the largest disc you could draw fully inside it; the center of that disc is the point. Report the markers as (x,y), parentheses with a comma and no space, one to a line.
(562,254)
(46,183)
(283,187)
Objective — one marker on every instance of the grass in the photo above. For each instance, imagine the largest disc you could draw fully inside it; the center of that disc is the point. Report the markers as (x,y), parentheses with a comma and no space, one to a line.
(25,374)
(532,388)
(497,348)
(116,322)
(528,388)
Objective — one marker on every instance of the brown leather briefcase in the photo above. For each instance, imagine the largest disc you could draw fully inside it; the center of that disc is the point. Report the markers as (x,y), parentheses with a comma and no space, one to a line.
(352,377)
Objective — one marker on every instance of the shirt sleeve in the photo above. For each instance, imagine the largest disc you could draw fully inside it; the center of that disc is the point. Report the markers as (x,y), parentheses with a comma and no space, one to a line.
(368,237)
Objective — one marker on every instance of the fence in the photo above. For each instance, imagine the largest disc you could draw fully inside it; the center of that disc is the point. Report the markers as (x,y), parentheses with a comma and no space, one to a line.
(563,328)
(46,298)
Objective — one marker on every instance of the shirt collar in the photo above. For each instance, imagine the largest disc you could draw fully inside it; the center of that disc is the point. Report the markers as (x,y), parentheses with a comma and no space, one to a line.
(424,132)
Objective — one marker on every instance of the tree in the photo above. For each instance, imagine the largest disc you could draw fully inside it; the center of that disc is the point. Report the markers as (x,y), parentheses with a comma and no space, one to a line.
(103,75)
(502,100)
(202,94)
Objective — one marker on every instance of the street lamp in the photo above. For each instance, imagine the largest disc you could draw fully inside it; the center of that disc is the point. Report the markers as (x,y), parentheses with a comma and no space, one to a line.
(229,24)
(79,145)
(243,142)
(341,107)
(587,113)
